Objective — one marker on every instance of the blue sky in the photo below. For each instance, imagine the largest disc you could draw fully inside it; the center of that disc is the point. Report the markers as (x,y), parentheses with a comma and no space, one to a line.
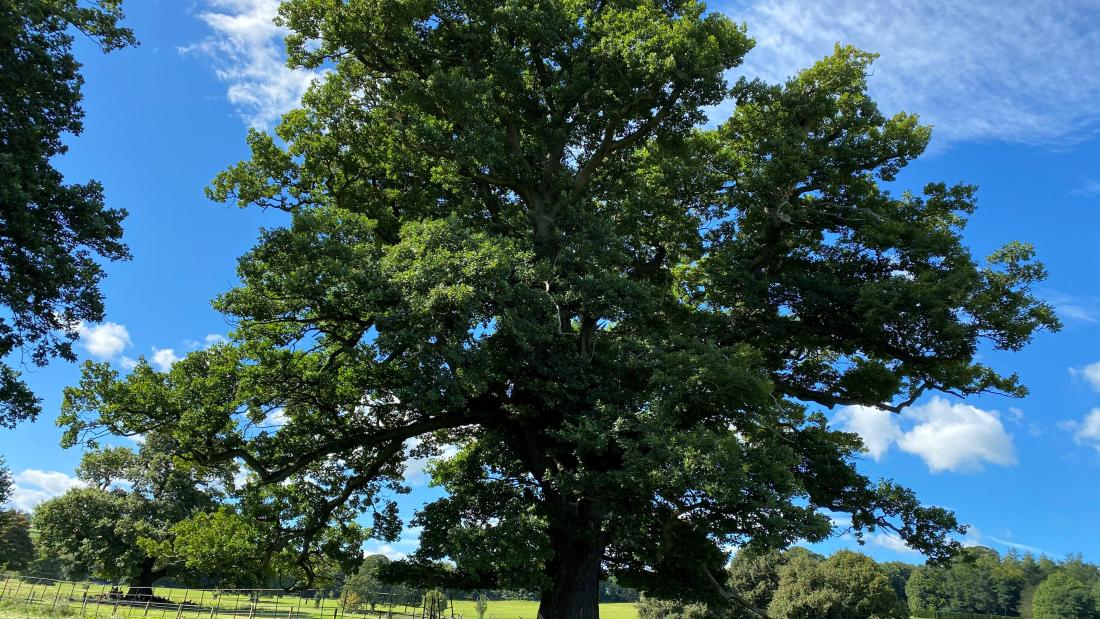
(1012,91)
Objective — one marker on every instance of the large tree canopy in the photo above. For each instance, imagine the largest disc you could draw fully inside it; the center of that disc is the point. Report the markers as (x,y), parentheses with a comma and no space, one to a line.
(51,233)
(510,233)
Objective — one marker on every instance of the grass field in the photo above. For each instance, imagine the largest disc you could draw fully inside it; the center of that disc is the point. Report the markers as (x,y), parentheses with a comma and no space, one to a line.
(511,609)
(62,599)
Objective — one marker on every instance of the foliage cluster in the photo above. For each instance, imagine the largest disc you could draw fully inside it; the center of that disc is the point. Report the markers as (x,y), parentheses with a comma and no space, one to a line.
(53,235)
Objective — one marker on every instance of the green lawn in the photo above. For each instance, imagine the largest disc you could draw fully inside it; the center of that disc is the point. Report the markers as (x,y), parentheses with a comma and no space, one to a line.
(54,601)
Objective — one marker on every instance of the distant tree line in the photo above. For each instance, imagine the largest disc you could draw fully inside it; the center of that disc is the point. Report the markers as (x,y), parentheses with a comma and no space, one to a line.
(799,584)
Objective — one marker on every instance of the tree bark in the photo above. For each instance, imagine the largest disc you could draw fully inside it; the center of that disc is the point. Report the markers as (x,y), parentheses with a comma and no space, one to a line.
(141,587)
(574,570)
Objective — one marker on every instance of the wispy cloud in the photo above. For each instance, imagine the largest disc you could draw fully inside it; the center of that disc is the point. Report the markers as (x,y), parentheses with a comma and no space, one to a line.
(974,537)
(890,542)
(1011,71)
(1073,308)
(1090,188)
(246,49)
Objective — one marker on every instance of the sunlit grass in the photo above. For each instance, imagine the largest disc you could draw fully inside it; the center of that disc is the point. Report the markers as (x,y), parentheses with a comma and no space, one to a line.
(64,599)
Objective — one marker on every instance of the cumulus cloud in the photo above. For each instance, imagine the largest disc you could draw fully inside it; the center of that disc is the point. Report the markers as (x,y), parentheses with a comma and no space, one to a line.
(947,436)
(246,49)
(103,341)
(163,358)
(957,437)
(33,486)
(1090,373)
(877,428)
(1086,431)
(976,70)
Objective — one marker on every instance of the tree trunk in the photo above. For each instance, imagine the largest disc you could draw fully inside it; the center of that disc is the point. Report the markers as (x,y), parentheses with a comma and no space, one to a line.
(141,587)
(574,570)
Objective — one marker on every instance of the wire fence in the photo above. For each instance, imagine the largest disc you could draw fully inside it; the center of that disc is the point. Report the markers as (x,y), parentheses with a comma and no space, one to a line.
(110,601)
(945,614)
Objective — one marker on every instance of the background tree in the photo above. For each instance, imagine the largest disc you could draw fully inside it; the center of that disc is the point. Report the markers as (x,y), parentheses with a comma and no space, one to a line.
(977,581)
(236,548)
(16,546)
(509,233)
(899,574)
(847,585)
(754,576)
(7,484)
(130,504)
(1061,596)
(52,234)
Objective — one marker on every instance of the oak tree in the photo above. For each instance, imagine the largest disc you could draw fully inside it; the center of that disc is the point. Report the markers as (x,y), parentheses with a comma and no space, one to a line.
(511,231)
(129,502)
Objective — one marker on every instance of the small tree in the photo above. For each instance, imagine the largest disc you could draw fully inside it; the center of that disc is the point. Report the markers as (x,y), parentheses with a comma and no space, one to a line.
(652,608)
(482,605)
(434,603)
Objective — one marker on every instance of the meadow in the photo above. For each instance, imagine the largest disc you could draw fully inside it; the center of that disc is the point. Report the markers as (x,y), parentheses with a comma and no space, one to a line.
(41,598)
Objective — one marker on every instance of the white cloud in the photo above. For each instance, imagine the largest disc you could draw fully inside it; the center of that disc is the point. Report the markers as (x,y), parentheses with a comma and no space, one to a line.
(877,428)
(103,341)
(957,437)
(416,469)
(276,418)
(163,358)
(1086,431)
(384,549)
(215,338)
(890,542)
(1091,374)
(246,49)
(1019,546)
(974,537)
(33,486)
(976,70)
(947,436)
